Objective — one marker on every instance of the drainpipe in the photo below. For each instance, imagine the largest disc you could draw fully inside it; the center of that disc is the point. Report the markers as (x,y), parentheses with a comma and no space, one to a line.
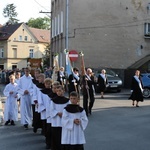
(67,9)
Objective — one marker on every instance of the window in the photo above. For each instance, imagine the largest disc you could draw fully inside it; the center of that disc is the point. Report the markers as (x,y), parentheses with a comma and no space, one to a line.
(14,66)
(14,52)
(61,22)
(1,53)
(20,38)
(147,29)
(31,51)
(1,67)
(53,28)
(58,25)
(26,38)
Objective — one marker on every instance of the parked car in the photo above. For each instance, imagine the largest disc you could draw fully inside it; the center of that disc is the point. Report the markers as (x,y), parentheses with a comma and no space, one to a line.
(146,84)
(114,82)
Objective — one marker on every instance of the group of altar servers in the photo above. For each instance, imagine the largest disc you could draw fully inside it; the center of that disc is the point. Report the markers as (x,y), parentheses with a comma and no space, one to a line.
(43,105)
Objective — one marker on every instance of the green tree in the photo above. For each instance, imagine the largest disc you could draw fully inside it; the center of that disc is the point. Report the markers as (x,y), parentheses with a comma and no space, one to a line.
(10,12)
(46,56)
(40,23)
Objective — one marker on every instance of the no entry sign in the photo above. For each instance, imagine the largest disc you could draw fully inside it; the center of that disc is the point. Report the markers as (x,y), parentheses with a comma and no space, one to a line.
(73,55)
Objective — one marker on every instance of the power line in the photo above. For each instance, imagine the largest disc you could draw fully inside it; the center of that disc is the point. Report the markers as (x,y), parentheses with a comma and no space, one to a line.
(41,5)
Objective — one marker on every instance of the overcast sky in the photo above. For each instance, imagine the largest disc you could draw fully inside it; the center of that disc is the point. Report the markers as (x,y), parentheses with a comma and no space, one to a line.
(26,9)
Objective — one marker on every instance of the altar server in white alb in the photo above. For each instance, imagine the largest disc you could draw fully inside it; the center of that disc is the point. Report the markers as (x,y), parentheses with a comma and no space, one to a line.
(26,91)
(43,104)
(11,106)
(74,122)
(37,122)
(56,108)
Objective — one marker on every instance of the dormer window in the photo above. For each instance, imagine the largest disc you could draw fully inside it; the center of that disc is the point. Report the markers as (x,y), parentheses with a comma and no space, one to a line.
(42,37)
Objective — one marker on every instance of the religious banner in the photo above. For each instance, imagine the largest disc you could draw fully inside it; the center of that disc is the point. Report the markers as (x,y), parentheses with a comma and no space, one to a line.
(55,68)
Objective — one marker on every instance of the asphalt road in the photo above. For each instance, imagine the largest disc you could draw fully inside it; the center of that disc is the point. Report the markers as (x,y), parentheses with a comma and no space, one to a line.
(113,125)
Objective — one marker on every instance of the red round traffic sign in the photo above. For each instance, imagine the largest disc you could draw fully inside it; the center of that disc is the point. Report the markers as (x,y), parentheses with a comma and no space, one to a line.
(73,55)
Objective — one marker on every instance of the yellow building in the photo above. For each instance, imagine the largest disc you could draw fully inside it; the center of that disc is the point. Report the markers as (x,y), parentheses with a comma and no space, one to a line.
(18,42)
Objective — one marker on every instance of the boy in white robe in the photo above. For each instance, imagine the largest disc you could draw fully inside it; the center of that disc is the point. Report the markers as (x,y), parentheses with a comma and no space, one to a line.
(74,122)
(43,104)
(37,122)
(56,108)
(36,117)
(11,107)
(51,95)
(17,77)
(25,90)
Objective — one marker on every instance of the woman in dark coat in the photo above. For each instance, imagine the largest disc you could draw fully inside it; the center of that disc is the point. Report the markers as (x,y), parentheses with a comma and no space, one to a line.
(136,89)
(61,76)
(102,82)
(88,82)
(74,81)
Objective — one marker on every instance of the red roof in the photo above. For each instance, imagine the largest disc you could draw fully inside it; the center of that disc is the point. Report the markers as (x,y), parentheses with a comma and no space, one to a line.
(41,35)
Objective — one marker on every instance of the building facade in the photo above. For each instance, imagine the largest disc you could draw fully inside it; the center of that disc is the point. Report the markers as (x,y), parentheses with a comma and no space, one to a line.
(111,33)
(18,43)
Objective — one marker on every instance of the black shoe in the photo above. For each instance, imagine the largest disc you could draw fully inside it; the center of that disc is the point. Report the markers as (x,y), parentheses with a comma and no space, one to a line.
(132,103)
(42,132)
(7,122)
(87,114)
(26,126)
(90,112)
(12,123)
(34,130)
(47,147)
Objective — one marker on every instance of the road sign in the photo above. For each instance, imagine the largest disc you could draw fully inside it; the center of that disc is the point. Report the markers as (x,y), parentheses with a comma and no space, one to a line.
(73,55)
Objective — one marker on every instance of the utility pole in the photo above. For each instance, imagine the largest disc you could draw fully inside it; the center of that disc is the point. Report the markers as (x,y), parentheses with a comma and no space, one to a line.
(50,63)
